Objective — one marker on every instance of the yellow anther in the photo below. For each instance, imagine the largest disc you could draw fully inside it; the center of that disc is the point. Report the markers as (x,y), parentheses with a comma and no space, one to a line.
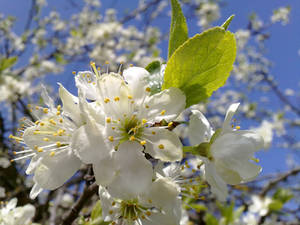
(161,146)
(42,123)
(108,120)
(132,102)
(111,212)
(73,72)
(153,132)
(170,124)
(150,201)
(237,127)
(106,100)
(58,144)
(143,217)
(106,62)
(52,154)
(117,99)
(232,125)
(60,120)
(132,138)
(60,132)
(52,121)
(163,112)
(113,128)
(113,203)
(58,107)
(148,89)
(147,106)
(111,138)
(89,81)
(144,121)
(40,149)
(10,136)
(94,83)
(255,160)
(58,113)
(148,213)
(129,96)
(37,122)
(35,147)
(37,107)
(45,110)
(46,139)
(14,153)
(143,142)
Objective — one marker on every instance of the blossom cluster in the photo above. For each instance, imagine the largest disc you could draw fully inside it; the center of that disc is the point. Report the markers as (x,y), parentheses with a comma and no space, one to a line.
(125,132)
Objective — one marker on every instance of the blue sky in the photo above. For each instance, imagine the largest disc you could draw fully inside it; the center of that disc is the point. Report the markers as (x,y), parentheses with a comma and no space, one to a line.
(282,47)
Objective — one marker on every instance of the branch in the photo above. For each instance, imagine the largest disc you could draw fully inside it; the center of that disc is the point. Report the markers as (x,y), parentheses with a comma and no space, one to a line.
(88,192)
(274,182)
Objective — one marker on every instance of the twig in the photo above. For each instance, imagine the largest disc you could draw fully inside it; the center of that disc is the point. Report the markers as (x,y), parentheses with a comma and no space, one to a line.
(88,192)
(274,182)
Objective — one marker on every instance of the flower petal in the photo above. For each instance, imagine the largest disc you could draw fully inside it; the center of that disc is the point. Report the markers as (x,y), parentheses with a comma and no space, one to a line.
(136,79)
(54,171)
(199,128)
(35,191)
(229,114)
(105,171)
(166,105)
(86,82)
(88,144)
(134,172)
(163,144)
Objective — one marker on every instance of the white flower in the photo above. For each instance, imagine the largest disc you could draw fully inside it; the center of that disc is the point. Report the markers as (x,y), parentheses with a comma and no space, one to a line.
(281,15)
(4,162)
(48,141)
(12,215)
(260,205)
(160,205)
(226,157)
(208,12)
(266,131)
(120,126)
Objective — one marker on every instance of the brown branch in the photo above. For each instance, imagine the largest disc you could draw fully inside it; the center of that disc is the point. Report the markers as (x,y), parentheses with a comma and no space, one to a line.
(274,182)
(71,215)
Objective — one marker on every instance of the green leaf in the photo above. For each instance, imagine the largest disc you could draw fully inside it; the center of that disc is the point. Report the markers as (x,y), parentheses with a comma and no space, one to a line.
(275,205)
(7,62)
(227,22)
(283,195)
(210,219)
(153,67)
(201,65)
(178,29)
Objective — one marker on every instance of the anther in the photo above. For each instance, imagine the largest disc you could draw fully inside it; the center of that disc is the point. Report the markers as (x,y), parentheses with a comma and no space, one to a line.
(148,89)
(153,132)
(45,110)
(46,139)
(40,149)
(161,146)
(237,127)
(106,100)
(163,112)
(129,96)
(74,72)
(170,124)
(144,121)
(117,99)
(58,144)
(132,138)
(143,142)
(111,138)
(108,120)
(52,154)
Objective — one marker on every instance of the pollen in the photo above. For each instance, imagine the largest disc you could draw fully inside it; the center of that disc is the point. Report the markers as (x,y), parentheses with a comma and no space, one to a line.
(117,99)
(148,89)
(42,123)
(143,142)
(58,107)
(60,120)
(148,213)
(40,149)
(153,132)
(170,124)
(58,113)
(147,106)
(52,154)
(46,139)
(163,112)
(144,121)
(237,127)
(161,146)
(129,96)
(106,100)
(74,72)
(132,138)
(111,138)
(52,121)
(58,144)
(108,120)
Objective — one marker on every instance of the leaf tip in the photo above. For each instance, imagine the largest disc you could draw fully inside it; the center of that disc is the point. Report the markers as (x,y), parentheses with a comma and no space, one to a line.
(226,24)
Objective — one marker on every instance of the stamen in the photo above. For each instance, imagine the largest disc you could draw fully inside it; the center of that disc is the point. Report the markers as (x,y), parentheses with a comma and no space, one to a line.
(148,89)
(117,99)
(163,112)
(108,120)
(143,142)
(161,146)
(170,124)
(45,110)
(93,65)
(106,100)
(132,138)
(111,138)
(129,96)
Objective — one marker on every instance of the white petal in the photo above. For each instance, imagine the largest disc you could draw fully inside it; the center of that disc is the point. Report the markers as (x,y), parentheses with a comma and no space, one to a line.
(199,128)
(34,162)
(88,144)
(106,204)
(105,171)
(70,105)
(229,114)
(134,175)
(46,98)
(110,87)
(35,191)
(217,184)
(163,193)
(163,144)
(166,105)
(54,171)
(86,82)
(136,79)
